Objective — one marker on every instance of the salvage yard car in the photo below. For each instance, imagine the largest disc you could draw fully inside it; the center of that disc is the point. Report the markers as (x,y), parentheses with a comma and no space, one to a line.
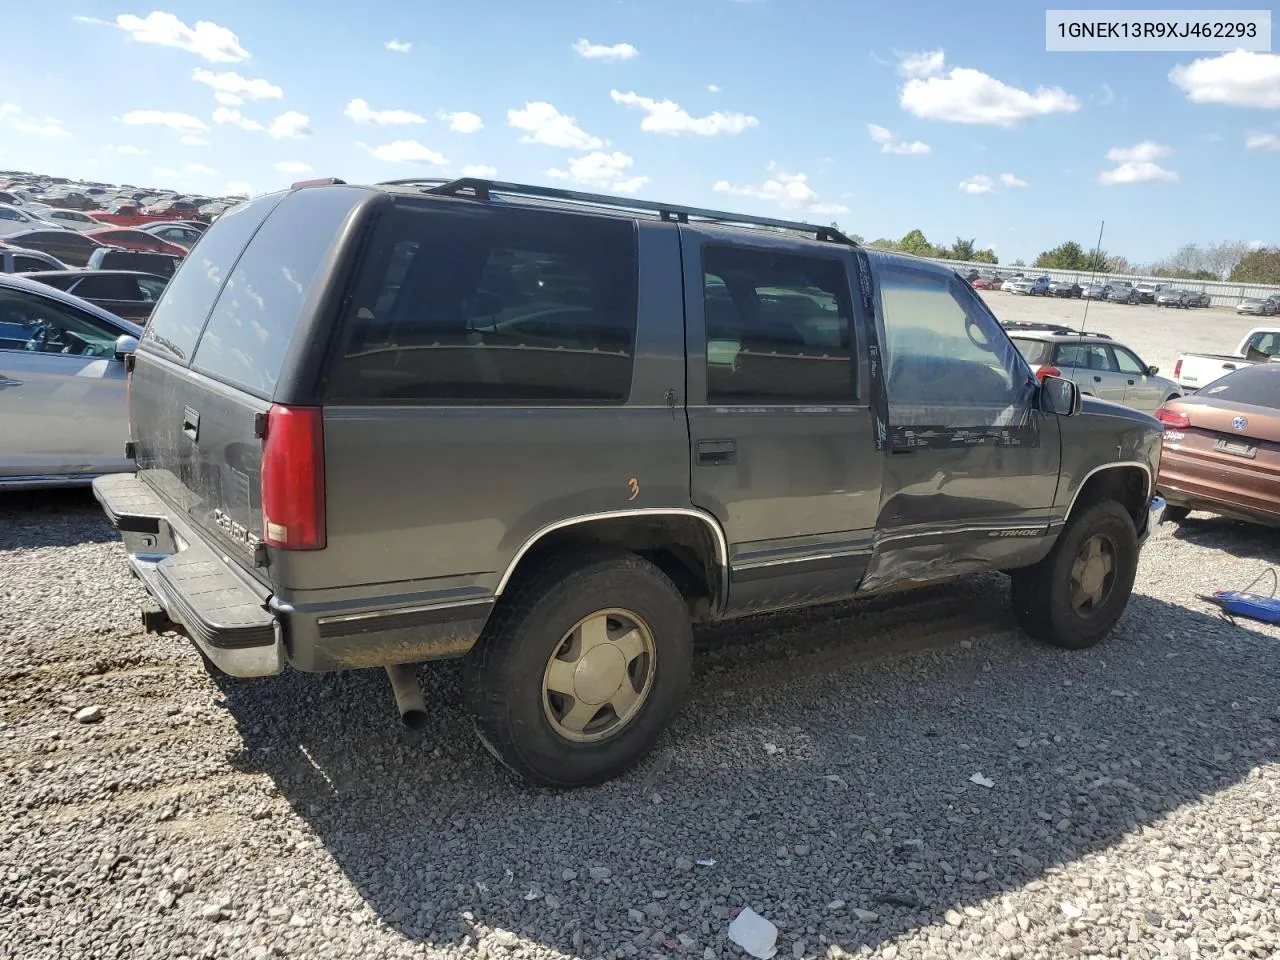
(1222,448)
(546,431)
(1196,370)
(62,387)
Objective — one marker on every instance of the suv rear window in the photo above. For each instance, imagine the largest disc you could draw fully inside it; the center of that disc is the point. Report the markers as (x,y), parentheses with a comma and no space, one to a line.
(252,323)
(470,303)
(1258,386)
(179,316)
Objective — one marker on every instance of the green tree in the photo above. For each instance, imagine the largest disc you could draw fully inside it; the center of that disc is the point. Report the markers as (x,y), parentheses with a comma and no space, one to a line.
(917,244)
(1096,261)
(884,243)
(1019,262)
(1259,266)
(1066,256)
(984,256)
(963,249)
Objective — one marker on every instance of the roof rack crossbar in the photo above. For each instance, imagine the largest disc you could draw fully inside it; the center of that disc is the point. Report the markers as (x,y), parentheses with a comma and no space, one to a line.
(672,213)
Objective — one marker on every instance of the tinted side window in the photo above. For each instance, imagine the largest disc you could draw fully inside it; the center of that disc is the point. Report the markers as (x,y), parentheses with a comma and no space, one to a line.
(777,327)
(29,322)
(25,264)
(108,287)
(252,323)
(177,319)
(1035,351)
(480,304)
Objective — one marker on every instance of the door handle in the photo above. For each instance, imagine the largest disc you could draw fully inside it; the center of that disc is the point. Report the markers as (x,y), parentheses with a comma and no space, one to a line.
(1097,379)
(1228,366)
(1130,382)
(714,453)
(191,424)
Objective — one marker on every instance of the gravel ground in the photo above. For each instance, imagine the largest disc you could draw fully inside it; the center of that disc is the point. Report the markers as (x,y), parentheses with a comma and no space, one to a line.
(824,764)
(1157,334)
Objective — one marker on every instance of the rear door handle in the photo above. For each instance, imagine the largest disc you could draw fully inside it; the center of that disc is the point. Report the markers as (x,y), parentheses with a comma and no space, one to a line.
(191,424)
(1228,366)
(1097,379)
(713,453)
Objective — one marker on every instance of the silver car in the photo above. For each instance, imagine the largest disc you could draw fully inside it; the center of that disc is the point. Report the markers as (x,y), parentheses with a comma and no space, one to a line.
(1256,306)
(1101,367)
(62,387)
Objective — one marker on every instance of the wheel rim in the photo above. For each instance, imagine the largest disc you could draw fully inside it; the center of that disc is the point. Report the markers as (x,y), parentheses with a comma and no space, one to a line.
(1093,575)
(599,676)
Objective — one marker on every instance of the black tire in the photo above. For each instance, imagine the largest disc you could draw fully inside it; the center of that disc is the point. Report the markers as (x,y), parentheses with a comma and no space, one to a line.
(504,672)
(1042,593)
(1174,514)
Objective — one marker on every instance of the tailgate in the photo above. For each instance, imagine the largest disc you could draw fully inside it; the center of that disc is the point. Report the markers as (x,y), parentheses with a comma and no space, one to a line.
(1197,370)
(216,355)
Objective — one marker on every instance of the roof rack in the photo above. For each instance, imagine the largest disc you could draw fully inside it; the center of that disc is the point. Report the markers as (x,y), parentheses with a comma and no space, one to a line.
(483,189)
(1051,328)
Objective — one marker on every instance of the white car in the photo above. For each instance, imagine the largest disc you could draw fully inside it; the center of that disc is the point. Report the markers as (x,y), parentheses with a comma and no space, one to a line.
(71,219)
(14,220)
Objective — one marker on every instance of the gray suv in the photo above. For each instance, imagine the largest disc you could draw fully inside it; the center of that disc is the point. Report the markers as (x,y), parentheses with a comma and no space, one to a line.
(547,431)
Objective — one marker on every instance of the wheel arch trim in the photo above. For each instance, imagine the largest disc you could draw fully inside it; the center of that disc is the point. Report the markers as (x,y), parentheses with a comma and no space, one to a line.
(1145,468)
(717,535)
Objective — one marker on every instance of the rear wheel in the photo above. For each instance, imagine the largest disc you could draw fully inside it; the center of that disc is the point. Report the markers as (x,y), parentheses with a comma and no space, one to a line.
(1176,514)
(580,668)
(1074,596)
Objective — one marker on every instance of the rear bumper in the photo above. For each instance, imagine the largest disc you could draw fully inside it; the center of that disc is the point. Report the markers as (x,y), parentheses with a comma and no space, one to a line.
(223,614)
(1245,490)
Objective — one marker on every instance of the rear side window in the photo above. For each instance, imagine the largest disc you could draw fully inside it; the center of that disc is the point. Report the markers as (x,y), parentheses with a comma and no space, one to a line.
(252,323)
(777,327)
(107,287)
(175,323)
(1033,351)
(475,303)
(1258,386)
(29,264)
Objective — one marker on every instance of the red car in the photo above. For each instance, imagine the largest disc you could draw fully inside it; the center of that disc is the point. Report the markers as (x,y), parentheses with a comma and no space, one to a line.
(134,240)
(987,283)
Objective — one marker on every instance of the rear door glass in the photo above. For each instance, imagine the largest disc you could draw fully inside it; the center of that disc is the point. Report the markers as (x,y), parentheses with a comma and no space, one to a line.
(252,323)
(179,316)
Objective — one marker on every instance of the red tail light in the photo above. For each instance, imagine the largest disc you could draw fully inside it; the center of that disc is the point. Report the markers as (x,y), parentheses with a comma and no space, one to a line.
(1173,418)
(1047,370)
(1177,368)
(293,479)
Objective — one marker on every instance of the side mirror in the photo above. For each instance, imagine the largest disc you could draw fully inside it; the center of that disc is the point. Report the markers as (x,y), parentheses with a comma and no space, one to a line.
(125,345)
(1152,371)
(1059,396)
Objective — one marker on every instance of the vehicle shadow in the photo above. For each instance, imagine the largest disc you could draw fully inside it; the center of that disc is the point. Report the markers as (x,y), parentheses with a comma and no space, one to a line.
(1248,541)
(51,518)
(847,737)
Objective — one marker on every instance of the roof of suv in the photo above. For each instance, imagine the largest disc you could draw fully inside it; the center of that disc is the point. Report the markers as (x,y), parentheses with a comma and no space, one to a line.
(1049,331)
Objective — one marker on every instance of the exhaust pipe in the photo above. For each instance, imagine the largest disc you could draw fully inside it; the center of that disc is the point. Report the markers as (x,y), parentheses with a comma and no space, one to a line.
(404,684)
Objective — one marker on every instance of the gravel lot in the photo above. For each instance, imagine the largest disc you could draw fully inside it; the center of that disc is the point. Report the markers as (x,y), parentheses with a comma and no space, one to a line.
(1157,334)
(823,763)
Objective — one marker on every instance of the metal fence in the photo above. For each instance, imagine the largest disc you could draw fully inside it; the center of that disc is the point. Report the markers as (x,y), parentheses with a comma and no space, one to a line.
(1221,293)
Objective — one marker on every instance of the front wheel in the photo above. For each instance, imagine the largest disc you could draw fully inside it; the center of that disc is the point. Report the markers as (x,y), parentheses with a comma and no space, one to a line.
(581,668)
(1074,596)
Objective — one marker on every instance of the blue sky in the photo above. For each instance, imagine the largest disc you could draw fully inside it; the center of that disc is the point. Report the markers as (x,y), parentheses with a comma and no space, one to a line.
(883,117)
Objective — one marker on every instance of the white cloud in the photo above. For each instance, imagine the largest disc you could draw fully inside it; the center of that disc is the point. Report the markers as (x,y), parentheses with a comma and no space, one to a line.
(463,121)
(712,88)
(545,124)
(605,171)
(165,118)
(9,110)
(977,184)
(293,166)
(193,141)
(405,151)
(231,89)
(207,40)
(789,190)
(922,64)
(1262,141)
(227,117)
(290,125)
(397,46)
(966,95)
(46,127)
(884,137)
(360,111)
(1241,78)
(126,150)
(599,51)
(1137,164)
(666,116)
(200,169)
(237,188)
(1009,180)
(479,170)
